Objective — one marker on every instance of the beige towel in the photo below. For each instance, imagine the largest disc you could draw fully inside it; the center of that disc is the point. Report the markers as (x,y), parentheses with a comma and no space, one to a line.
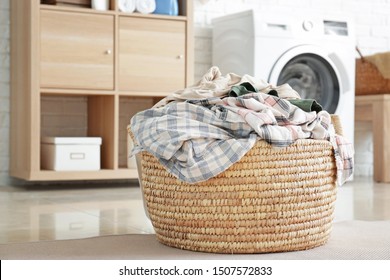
(214,84)
(382,62)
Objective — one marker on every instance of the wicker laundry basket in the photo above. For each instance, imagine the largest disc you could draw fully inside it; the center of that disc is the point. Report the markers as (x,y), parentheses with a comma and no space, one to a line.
(273,199)
(369,79)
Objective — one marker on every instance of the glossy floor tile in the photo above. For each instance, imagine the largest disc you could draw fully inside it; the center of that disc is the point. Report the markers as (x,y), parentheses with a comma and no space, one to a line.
(69,212)
(58,212)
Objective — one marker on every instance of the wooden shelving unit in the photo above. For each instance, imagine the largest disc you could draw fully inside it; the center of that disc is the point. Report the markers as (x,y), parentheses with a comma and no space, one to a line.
(103,56)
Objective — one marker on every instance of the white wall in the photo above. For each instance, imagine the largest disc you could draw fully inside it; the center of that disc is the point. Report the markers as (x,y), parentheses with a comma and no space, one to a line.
(372,19)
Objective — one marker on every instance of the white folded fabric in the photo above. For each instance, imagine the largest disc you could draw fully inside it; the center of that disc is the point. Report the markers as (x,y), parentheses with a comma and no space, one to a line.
(382,62)
(127,6)
(145,6)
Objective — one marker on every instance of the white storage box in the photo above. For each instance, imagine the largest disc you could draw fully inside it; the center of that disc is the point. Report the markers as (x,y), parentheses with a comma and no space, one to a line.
(70,153)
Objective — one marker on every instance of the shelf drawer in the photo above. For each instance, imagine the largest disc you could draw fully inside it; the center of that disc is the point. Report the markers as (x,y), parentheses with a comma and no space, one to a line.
(77,50)
(151,54)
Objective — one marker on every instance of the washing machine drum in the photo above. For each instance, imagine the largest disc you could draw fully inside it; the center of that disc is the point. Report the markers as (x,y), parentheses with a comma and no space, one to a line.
(313,78)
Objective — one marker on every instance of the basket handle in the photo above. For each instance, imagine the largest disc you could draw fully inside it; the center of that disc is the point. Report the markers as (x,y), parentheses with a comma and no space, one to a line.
(360,54)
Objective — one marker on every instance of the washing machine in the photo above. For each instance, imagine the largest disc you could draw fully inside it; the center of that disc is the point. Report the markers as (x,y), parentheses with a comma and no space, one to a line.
(314,54)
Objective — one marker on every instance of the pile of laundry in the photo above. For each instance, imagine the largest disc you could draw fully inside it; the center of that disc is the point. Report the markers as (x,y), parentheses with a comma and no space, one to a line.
(200,131)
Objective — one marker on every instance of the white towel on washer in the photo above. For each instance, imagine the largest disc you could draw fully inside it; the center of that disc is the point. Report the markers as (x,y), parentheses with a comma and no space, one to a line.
(145,6)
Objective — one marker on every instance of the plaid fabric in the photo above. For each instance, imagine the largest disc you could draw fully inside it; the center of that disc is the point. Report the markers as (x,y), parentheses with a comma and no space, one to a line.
(198,139)
(343,151)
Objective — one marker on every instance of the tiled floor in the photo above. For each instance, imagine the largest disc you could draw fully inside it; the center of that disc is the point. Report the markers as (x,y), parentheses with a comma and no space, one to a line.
(67,212)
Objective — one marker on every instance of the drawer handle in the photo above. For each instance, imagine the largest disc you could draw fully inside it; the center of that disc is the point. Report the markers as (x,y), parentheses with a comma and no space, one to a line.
(180,56)
(108,52)
(76,226)
(77,155)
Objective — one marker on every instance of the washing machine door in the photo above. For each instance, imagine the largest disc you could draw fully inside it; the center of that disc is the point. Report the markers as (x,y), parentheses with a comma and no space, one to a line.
(309,70)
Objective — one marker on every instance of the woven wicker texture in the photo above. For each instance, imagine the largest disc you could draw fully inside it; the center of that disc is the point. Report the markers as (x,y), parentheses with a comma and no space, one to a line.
(369,79)
(273,199)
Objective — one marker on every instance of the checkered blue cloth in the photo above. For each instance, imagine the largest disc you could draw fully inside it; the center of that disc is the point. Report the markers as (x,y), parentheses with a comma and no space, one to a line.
(198,139)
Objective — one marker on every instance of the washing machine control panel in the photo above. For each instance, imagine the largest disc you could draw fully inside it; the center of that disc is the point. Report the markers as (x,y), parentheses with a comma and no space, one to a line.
(339,28)
(307,25)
